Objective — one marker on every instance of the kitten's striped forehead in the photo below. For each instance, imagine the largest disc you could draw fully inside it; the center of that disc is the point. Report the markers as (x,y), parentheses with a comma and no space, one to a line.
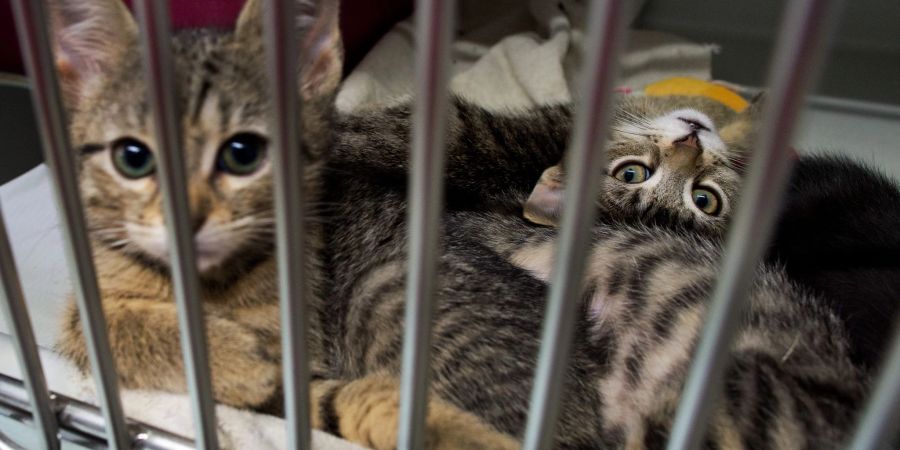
(221,92)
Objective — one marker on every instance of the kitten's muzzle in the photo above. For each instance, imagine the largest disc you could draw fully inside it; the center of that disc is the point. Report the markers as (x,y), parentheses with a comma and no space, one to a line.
(692,140)
(684,153)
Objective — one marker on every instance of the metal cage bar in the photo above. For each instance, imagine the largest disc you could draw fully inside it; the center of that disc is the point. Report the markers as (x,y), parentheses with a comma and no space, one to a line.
(801,42)
(795,65)
(30,22)
(283,54)
(83,423)
(878,426)
(434,27)
(16,313)
(153,17)
(586,156)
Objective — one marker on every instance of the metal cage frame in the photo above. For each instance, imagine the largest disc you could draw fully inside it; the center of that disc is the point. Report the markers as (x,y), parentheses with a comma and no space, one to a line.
(805,31)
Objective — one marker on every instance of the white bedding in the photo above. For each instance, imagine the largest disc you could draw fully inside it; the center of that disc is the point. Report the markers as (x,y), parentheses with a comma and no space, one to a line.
(515,55)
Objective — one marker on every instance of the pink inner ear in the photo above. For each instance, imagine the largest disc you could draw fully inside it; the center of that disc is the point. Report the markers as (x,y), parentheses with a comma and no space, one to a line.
(544,205)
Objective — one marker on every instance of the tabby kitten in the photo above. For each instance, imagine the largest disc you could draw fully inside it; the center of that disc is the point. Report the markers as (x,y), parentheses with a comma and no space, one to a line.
(791,383)
(835,200)
(672,184)
(221,90)
(669,163)
(488,313)
(651,268)
(492,157)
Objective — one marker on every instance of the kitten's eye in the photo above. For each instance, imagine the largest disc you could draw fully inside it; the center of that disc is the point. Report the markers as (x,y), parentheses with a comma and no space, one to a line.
(242,154)
(132,158)
(632,173)
(707,200)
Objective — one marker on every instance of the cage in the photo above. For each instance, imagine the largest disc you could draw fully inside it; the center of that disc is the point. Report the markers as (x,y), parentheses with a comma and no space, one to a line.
(854,107)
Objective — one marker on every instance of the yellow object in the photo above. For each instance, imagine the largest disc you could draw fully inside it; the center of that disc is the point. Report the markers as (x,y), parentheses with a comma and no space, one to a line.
(694,86)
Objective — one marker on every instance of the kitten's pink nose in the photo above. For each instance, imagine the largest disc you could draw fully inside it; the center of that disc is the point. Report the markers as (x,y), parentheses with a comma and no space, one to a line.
(684,153)
(691,140)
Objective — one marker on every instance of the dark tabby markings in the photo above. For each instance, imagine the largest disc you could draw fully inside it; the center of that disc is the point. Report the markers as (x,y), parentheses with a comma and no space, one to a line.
(684,299)
(645,267)
(330,420)
(751,396)
(634,198)
(201,98)
(87,149)
(615,281)
(656,435)
(633,365)
(763,411)
(210,67)
(364,317)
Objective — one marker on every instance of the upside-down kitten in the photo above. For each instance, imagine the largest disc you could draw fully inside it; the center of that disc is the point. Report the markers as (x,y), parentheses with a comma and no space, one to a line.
(666,196)
(492,160)
(834,234)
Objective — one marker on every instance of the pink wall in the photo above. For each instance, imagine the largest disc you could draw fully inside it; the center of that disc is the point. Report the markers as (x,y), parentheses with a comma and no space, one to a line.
(362,23)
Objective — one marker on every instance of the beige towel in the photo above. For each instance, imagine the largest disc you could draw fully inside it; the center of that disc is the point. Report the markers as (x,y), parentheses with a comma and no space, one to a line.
(513,54)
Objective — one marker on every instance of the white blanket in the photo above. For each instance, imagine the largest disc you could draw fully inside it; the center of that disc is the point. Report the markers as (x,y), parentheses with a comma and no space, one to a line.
(509,54)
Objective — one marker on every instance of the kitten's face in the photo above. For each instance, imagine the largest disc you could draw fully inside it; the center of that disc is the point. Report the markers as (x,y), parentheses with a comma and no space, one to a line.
(224,143)
(222,96)
(669,162)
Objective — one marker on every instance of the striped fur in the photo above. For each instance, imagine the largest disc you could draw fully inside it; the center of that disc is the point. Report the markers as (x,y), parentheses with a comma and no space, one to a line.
(488,311)
(790,384)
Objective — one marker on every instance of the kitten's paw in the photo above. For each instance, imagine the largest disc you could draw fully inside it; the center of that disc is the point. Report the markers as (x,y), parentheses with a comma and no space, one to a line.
(366,411)
(246,367)
(450,428)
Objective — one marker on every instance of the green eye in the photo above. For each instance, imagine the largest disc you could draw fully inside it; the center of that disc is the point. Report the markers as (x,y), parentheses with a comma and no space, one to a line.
(242,154)
(632,173)
(132,158)
(707,201)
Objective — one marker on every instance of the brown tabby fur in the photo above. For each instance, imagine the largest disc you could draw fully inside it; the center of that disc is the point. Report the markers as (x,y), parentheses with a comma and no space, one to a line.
(487,311)
(101,72)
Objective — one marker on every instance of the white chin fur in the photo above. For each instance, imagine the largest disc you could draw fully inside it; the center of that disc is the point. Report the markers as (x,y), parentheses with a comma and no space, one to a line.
(671,128)
(210,253)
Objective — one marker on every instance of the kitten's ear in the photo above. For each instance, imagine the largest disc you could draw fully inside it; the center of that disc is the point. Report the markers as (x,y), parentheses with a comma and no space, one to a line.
(89,39)
(544,205)
(321,70)
(754,111)
(320,42)
(740,134)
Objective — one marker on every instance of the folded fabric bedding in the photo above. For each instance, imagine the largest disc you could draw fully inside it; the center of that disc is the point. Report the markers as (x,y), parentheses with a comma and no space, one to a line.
(498,62)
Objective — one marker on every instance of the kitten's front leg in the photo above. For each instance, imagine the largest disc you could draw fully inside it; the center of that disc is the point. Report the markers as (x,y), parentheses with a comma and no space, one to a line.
(144,337)
(367,411)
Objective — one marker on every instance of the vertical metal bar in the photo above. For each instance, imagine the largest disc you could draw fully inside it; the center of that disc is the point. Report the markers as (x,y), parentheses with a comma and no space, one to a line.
(283,52)
(878,426)
(434,26)
(13,308)
(585,160)
(153,17)
(795,66)
(34,40)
